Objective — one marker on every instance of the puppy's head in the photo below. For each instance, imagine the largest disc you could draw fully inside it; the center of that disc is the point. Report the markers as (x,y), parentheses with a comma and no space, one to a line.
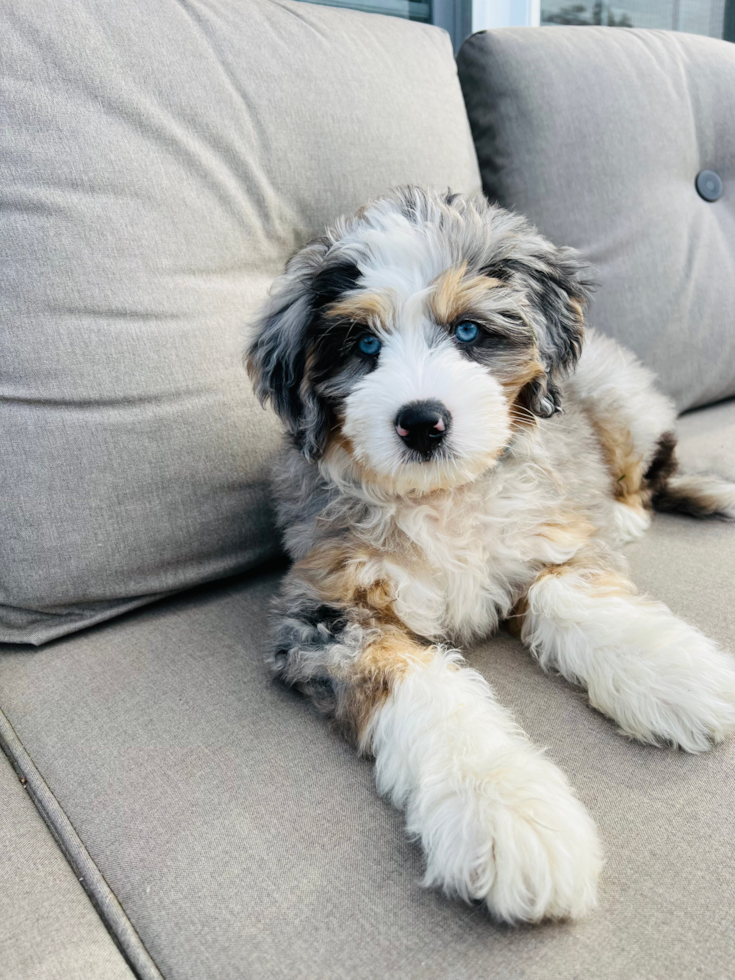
(414,336)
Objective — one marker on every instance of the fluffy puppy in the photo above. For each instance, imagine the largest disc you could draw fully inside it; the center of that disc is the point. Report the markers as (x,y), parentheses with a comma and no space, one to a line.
(460,455)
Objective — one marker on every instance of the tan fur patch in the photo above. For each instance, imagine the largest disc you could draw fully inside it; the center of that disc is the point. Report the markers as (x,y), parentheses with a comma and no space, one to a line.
(454,295)
(570,531)
(626,465)
(382,664)
(527,370)
(334,570)
(374,308)
(338,572)
(602,581)
(577,307)
(514,381)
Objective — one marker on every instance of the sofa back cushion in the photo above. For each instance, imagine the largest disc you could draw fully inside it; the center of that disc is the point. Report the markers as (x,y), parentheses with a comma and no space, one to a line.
(598,136)
(159,163)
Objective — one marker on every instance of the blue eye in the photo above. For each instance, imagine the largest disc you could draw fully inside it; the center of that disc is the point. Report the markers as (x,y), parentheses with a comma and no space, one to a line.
(369,344)
(466,332)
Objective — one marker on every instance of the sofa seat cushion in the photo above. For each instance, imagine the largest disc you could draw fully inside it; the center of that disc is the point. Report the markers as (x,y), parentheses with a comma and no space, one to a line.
(707,440)
(598,136)
(49,929)
(243,838)
(159,163)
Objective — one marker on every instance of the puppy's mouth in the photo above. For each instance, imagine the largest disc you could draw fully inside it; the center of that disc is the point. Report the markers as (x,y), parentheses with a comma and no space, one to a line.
(422,427)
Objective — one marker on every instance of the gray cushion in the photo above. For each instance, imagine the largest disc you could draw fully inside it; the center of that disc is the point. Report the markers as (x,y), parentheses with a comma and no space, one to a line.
(598,136)
(159,163)
(244,839)
(707,440)
(48,927)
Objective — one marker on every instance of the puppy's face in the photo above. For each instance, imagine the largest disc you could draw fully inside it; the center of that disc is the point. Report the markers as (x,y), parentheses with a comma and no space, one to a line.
(422,366)
(414,337)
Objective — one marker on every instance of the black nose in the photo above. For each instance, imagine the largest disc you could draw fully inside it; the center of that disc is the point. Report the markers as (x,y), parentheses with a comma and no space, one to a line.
(422,426)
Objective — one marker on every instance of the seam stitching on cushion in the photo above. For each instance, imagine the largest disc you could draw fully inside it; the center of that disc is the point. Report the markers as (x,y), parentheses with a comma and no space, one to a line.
(103,899)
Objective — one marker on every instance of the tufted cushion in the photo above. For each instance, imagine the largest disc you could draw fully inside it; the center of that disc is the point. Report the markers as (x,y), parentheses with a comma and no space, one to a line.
(598,135)
(159,163)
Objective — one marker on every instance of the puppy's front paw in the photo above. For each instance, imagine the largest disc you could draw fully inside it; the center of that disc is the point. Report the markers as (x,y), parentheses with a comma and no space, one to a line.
(689,703)
(510,833)
(679,689)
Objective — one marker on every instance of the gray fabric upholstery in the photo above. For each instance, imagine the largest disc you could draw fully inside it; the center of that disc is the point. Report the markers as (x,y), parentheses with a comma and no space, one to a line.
(159,163)
(243,838)
(597,136)
(48,927)
(108,908)
(707,440)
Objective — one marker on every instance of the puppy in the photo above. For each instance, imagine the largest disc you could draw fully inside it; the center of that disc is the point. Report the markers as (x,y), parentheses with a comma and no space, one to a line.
(459,454)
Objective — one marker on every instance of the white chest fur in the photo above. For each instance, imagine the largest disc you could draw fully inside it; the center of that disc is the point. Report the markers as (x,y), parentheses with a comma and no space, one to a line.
(457,561)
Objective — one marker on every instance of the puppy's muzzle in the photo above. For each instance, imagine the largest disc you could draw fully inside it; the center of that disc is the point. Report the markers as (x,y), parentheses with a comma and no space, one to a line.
(422,426)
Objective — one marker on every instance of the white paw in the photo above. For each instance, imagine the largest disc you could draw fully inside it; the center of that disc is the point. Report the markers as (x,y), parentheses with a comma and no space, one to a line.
(510,833)
(678,690)
(660,679)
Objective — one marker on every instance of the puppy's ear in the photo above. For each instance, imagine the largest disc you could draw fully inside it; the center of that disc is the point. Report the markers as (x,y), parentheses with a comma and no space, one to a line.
(554,281)
(277,359)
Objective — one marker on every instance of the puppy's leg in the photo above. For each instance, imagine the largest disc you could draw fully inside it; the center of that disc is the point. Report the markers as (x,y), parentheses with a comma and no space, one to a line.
(497,821)
(660,679)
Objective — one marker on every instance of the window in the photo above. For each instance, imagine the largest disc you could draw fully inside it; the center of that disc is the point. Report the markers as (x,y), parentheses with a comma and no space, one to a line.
(461,17)
(412,9)
(455,16)
(693,16)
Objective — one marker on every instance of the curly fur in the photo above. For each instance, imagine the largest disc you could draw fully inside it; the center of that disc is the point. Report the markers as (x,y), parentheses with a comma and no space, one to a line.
(555,451)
